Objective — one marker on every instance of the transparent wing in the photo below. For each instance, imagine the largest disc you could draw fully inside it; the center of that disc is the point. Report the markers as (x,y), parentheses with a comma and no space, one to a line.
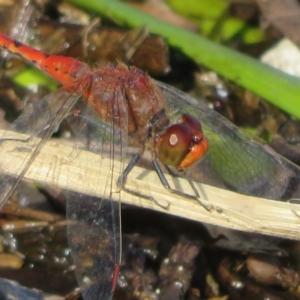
(28,134)
(234,160)
(94,230)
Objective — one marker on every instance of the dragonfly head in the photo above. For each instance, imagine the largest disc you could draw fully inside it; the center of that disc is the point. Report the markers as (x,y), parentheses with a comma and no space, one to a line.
(182,144)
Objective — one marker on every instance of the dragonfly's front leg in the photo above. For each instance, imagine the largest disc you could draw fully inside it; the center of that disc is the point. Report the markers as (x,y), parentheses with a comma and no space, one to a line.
(123,178)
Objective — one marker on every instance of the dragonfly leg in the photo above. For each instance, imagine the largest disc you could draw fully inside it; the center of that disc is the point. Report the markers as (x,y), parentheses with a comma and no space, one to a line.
(4,139)
(28,139)
(295,201)
(166,184)
(123,178)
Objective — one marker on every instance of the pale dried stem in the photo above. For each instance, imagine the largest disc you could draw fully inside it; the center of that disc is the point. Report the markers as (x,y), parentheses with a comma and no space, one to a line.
(56,166)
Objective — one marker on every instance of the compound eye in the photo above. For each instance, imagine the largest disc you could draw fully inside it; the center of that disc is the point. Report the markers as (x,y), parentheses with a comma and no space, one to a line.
(191,121)
(174,144)
(182,144)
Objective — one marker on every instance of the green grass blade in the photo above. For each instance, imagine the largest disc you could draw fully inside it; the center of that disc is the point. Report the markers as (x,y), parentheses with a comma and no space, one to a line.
(275,86)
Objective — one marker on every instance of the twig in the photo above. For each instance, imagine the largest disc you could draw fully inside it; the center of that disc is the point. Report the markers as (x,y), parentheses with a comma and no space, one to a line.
(56,165)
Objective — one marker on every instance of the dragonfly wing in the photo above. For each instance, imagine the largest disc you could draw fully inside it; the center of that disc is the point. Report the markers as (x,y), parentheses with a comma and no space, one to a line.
(94,231)
(28,134)
(234,160)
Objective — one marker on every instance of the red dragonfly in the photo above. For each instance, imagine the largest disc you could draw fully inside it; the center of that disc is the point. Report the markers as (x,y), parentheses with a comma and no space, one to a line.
(120,107)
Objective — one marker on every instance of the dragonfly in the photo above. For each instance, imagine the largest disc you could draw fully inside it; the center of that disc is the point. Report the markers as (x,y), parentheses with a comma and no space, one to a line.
(124,115)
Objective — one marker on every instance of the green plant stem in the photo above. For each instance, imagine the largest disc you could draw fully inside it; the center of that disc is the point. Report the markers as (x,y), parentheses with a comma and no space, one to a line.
(275,86)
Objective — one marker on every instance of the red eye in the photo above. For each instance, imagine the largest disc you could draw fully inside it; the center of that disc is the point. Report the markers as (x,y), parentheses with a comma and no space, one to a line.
(191,121)
(174,144)
(182,144)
